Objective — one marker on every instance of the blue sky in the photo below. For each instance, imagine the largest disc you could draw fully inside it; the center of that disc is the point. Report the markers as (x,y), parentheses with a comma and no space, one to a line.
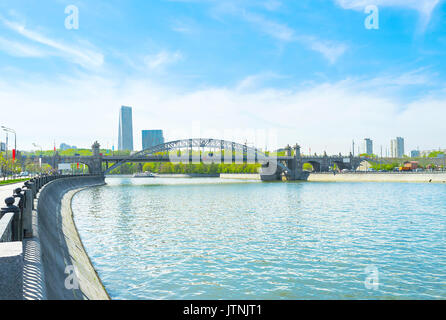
(308,70)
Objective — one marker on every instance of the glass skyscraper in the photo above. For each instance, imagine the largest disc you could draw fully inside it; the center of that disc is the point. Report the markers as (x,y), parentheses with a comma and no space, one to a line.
(151,138)
(397,147)
(125,138)
(368,146)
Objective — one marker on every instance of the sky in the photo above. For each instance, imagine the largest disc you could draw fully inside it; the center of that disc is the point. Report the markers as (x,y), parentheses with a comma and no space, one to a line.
(311,72)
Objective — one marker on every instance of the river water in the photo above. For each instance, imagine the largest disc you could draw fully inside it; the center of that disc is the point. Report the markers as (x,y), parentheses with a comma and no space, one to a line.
(207,238)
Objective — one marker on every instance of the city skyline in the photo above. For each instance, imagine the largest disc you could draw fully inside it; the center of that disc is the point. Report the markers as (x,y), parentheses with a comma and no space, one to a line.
(176,75)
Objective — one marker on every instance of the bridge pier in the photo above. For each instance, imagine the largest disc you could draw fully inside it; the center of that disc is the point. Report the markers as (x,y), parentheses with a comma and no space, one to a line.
(294,167)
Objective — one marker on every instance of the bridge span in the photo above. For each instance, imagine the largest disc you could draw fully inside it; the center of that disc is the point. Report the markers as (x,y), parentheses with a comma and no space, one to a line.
(288,166)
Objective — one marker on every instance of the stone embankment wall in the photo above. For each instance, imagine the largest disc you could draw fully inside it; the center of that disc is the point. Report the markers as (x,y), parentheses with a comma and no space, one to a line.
(68,271)
(242,176)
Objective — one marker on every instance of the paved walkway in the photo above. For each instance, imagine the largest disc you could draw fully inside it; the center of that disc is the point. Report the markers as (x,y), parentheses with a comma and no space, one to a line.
(7,190)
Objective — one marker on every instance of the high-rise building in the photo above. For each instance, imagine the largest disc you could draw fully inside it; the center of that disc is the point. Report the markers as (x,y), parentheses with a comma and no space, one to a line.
(368,146)
(151,138)
(397,147)
(415,154)
(64,146)
(125,135)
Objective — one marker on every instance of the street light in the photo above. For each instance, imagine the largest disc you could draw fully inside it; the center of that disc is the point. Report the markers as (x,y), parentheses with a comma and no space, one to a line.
(15,136)
(15,140)
(40,158)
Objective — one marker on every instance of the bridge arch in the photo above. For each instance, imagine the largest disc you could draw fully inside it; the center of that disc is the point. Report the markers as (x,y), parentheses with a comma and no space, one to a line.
(315,164)
(56,160)
(238,153)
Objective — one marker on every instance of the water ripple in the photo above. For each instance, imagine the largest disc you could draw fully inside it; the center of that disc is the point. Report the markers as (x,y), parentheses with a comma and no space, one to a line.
(214,239)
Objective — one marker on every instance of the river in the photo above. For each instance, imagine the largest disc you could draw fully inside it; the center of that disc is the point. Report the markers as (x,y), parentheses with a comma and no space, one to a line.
(207,238)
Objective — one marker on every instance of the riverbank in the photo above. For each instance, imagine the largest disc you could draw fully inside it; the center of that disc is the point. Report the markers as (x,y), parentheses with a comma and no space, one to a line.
(414,177)
(242,176)
(168,175)
(406,177)
(63,255)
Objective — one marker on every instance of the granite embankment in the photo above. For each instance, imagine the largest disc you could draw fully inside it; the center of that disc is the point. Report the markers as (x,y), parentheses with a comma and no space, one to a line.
(68,272)
(433,177)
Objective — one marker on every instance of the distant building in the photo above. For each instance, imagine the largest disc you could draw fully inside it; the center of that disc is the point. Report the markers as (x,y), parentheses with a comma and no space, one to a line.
(426,153)
(64,146)
(151,138)
(415,154)
(397,147)
(125,135)
(368,146)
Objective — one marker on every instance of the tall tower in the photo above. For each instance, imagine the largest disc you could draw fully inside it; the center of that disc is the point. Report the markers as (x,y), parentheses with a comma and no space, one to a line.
(397,147)
(125,135)
(368,146)
(151,138)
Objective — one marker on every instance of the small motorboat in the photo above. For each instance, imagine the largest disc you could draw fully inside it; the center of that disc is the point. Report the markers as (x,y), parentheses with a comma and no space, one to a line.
(144,175)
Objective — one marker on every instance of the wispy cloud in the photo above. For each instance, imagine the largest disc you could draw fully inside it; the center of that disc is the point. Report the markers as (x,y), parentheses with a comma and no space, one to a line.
(83,56)
(253,82)
(331,50)
(182,26)
(19,49)
(162,59)
(272,5)
(274,29)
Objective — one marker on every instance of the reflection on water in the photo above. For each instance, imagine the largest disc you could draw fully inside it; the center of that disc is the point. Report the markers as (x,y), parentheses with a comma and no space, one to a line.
(222,239)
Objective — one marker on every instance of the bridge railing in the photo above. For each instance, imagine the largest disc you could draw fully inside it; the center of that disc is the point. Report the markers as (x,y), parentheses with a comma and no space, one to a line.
(16,216)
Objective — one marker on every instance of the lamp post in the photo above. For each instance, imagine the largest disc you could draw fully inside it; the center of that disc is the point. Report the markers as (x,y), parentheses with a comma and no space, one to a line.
(40,158)
(15,136)
(15,142)
(15,139)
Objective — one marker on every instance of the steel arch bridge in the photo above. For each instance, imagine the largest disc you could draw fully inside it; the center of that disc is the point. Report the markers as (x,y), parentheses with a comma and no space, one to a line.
(235,153)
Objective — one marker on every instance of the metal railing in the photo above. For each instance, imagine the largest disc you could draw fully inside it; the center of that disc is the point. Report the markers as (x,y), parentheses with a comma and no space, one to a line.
(16,217)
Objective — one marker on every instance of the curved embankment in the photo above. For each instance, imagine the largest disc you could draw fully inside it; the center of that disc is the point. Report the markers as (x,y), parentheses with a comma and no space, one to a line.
(68,271)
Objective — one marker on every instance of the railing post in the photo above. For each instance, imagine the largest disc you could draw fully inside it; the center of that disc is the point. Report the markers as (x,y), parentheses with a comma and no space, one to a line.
(30,186)
(27,213)
(18,194)
(10,207)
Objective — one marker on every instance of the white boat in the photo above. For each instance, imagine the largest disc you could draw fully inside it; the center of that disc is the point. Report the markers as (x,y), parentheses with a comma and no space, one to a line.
(144,175)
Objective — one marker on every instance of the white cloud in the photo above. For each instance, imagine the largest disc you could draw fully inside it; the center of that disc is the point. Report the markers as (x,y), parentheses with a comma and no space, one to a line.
(162,59)
(83,56)
(323,116)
